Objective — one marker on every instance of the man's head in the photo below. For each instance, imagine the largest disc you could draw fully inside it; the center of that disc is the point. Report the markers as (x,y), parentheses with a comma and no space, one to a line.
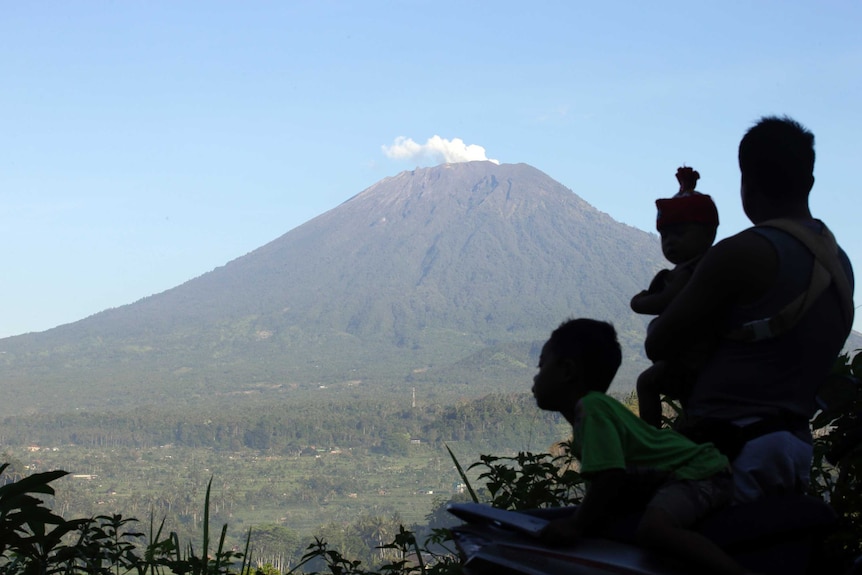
(776,159)
(582,355)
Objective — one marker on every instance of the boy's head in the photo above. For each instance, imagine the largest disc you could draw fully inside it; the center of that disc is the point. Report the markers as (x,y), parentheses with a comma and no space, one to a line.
(582,355)
(776,158)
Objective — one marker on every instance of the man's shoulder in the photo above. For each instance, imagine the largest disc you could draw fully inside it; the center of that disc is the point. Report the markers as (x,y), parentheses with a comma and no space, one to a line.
(743,239)
(740,268)
(742,250)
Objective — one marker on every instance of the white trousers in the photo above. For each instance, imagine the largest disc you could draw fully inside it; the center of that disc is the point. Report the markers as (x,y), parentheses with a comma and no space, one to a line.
(773,464)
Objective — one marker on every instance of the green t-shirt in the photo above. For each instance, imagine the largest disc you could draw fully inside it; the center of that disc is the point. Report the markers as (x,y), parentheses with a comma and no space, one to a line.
(609,436)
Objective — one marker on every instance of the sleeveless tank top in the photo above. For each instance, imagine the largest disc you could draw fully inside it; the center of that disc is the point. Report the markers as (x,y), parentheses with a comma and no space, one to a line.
(777,376)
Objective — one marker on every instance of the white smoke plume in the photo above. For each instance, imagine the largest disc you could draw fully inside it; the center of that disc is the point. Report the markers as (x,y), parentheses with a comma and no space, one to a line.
(436,149)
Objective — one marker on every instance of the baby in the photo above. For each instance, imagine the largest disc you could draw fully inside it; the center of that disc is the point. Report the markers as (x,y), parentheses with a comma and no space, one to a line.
(687,223)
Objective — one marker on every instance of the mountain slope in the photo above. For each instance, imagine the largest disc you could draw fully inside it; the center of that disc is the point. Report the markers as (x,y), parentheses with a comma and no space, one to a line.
(414,274)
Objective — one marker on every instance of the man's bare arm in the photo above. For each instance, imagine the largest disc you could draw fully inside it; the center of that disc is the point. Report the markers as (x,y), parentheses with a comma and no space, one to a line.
(736,271)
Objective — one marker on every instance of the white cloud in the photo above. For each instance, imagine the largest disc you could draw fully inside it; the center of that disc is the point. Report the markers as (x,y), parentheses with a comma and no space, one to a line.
(436,149)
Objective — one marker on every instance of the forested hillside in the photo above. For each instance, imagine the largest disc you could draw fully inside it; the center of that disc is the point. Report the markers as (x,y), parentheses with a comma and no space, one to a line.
(424,279)
(496,422)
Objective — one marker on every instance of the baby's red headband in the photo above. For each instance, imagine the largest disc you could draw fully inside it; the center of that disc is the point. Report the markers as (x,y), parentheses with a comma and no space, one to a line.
(691,208)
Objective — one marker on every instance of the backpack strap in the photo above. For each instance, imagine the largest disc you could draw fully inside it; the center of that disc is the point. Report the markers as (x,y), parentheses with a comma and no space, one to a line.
(827,270)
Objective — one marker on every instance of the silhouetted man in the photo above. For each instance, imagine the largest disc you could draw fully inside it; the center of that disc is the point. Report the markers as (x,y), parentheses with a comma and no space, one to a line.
(783,314)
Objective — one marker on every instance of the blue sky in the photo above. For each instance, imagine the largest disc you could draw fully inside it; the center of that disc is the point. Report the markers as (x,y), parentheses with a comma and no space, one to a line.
(145,143)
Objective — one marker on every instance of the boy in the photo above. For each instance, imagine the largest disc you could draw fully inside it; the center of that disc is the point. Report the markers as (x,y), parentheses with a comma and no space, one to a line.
(576,368)
(687,224)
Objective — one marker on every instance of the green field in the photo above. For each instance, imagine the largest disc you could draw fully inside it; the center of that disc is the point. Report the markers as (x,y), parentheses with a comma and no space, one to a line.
(306,494)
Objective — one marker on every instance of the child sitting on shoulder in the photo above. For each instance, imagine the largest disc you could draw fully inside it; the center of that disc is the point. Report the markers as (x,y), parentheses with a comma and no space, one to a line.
(687,224)
(576,367)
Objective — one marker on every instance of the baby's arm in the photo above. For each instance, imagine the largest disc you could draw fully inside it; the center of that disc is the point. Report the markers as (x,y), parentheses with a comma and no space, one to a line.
(654,303)
(604,488)
(655,286)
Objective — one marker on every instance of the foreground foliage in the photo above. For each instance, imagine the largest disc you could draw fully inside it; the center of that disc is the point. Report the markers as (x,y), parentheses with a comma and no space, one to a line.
(34,539)
(837,469)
